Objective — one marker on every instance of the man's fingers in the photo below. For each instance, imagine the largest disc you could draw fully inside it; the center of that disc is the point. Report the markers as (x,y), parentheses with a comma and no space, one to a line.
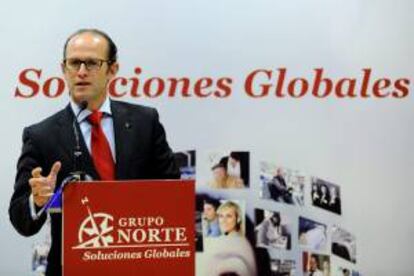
(42,193)
(41,190)
(41,199)
(37,172)
(37,182)
(55,170)
(47,195)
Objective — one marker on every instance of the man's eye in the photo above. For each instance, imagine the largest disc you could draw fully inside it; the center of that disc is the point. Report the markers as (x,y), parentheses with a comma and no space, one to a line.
(91,62)
(75,62)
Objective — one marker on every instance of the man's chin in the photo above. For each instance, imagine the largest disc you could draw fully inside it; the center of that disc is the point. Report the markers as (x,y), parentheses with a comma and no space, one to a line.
(79,96)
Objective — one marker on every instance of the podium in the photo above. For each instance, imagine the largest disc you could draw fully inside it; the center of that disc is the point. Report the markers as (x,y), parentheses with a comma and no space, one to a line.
(129,228)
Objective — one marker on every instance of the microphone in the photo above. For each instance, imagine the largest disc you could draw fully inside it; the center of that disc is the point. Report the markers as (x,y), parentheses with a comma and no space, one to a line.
(77,152)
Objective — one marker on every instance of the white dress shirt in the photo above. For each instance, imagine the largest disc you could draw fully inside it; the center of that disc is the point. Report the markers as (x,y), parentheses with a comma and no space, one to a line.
(106,124)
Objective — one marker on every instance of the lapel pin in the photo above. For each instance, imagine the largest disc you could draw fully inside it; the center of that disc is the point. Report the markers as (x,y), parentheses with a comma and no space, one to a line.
(127,125)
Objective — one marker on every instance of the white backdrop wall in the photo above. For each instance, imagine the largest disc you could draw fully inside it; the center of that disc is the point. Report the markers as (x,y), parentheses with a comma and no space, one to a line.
(363,145)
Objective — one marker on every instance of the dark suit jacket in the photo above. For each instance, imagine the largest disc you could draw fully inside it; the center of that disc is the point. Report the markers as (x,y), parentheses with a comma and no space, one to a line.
(142,152)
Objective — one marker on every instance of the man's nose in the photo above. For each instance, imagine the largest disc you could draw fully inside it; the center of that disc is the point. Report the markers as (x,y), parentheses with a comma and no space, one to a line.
(82,72)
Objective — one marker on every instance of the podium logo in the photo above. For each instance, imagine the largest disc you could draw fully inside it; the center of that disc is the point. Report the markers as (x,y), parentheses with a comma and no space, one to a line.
(95,230)
(103,237)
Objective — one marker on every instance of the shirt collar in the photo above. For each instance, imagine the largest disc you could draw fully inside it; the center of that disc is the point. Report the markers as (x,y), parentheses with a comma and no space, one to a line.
(105,109)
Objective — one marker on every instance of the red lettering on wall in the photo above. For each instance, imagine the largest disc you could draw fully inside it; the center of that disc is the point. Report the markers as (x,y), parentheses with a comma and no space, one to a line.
(112,87)
(319,80)
(250,82)
(345,87)
(223,88)
(401,88)
(303,87)
(200,87)
(259,83)
(29,83)
(60,87)
(379,86)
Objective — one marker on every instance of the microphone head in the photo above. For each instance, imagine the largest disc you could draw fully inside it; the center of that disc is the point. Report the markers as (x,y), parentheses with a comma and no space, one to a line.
(83,105)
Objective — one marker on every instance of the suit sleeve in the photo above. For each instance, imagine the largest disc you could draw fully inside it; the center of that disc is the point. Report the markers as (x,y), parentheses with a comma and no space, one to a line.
(19,209)
(163,162)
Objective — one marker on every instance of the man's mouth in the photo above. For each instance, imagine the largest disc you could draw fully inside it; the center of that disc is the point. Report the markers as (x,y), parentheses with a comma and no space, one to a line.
(82,84)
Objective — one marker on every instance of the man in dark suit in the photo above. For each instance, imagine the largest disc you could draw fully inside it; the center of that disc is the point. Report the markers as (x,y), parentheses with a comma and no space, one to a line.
(278,188)
(127,142)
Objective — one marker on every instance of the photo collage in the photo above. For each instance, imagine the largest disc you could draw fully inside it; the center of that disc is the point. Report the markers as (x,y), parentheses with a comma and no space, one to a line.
(265,222)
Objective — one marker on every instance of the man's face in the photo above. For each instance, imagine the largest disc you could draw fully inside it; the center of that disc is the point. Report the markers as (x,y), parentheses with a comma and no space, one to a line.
(84,84)
(219,173)
(279,172)
(209,212)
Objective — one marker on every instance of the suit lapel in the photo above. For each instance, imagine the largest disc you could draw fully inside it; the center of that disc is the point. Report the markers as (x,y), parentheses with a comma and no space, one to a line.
(122,131)
(67,137)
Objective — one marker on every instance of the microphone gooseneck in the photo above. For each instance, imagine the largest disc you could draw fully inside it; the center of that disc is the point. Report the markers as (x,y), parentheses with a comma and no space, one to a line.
(77,152)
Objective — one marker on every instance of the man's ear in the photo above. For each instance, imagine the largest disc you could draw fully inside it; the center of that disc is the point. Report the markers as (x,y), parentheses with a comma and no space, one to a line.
(63,67)
(114,68)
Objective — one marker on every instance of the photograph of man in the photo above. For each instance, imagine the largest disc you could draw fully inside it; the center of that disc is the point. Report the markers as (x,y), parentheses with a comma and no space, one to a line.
(230,218)
(211,226)
(281,184)
(271,231)
(326,195)
(278,189)
(207,224)
(116,140)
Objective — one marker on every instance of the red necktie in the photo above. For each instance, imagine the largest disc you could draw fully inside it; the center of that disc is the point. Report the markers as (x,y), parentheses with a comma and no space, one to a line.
(101,151)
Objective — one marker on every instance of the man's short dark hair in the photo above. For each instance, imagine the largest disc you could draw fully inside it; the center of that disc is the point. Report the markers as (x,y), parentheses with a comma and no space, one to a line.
(213,202)
(112,49)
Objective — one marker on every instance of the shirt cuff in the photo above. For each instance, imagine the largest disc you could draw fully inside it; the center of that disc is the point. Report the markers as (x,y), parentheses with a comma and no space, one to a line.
(32,208)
